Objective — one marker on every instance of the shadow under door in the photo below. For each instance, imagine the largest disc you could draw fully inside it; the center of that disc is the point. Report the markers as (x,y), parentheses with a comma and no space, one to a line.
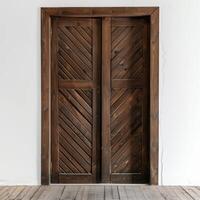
(100,100)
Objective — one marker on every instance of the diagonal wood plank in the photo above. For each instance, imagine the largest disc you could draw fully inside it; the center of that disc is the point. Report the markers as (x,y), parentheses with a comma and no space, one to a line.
(83,136)
(193,192)
(11,192)
(27,193)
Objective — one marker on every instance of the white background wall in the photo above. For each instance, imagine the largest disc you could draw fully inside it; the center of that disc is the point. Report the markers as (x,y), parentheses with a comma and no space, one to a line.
(179,88)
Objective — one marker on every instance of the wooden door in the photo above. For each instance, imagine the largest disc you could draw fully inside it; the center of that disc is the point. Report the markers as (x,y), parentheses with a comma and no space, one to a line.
(100,100)
(129,100)
(75,77)
(126,130)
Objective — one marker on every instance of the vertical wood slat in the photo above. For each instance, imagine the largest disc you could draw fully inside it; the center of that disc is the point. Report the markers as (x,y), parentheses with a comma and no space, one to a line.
(94,105)
(45,90)
(54,106)
(96,99)
(106,91)
(154,96)
(146,101)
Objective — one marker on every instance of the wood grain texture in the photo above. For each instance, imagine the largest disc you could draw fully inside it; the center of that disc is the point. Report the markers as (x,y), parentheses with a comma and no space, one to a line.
(154,97)
(100,11)
(45,90)
(48,14)
(74,97)
(106,56)
(130,100)
(100,192)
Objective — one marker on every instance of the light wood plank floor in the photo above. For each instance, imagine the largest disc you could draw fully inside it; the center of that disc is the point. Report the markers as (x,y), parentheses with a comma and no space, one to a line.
(99,192)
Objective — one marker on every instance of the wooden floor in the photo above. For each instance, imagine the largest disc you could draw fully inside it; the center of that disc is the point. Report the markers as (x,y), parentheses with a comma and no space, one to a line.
(92,192)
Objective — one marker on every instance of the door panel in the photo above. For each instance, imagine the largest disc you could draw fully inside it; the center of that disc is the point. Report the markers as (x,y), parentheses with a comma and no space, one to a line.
(100,100)
(76,45)
(129,100)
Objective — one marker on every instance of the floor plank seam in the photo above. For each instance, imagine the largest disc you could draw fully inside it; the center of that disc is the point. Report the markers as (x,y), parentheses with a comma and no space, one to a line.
(187,193)
(35,193)
(62,193)
(163,196)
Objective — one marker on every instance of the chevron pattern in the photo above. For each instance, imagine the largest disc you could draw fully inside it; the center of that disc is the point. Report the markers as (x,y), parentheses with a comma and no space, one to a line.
(75,52)
(75,131)
(127,52)
(126,126)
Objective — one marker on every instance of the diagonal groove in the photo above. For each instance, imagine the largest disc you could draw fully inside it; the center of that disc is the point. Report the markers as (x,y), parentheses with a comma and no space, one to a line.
(135,64)
(122,46)
(86,94)
(76,44)
(77,132)
(121,57)
(80,101)
(116,33)
(75,154)
(134,35)
(77,105)
(63,69)
(82,42)
(66,66)
(78,66)
(84,57)
(124,61)
(75,147)
(65,132)
(64,167)
(117,155)
(75,59)
(88,32)
(116,95)
(87,37)
(122,102)
(126,105)
(76,122)
(120,38)
(69,104)
(73,64)
(71,160)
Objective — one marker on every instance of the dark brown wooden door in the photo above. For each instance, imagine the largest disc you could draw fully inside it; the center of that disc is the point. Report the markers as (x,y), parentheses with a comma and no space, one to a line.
(76,46)
(100,100)
(129,109)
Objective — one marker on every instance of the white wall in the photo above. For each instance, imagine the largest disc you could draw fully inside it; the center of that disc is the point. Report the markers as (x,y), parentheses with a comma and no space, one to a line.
(179,88)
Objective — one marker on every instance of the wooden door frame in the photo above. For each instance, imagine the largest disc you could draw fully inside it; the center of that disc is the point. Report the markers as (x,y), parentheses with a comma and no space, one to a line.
(46,18)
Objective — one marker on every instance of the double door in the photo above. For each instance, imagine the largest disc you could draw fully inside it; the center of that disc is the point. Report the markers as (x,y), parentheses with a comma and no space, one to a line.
(100,100)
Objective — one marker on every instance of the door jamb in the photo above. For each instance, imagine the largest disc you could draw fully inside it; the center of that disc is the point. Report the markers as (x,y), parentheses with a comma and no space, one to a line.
(46,18)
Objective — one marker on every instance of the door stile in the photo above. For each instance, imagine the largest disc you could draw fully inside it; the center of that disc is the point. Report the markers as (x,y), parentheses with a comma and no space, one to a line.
(106,91)
(96,100)
(54,107)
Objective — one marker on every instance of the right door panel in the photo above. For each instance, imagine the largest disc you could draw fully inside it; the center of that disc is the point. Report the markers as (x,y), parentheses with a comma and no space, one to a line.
(129,106)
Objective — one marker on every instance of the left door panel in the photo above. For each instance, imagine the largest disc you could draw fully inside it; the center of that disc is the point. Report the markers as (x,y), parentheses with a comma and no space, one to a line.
(75,92)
